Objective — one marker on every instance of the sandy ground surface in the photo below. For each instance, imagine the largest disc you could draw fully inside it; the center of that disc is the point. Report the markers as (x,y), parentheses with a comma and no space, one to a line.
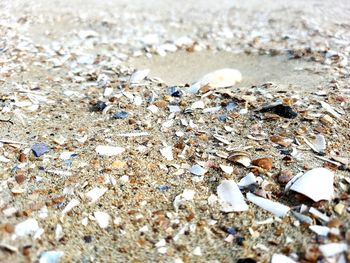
(59,58)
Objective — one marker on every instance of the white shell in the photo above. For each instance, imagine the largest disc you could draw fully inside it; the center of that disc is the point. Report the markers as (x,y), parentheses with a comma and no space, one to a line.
(320,143)
(187,195)
(317,184)
(222,78)
(231,197)
(333,249)
(27,227)
(51,256)
(275,208)
(72,203)
(247,180)
(102,218)
(139,75)
(109,150)
(280,258)
(94,194)
(197,170)
(226,169)
(167,153)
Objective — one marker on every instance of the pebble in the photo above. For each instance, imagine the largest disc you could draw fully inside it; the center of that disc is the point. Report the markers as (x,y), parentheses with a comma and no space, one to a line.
(40,149)
(120,115)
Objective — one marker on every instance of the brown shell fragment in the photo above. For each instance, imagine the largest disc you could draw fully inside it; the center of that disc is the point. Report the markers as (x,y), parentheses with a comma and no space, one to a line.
(265,163)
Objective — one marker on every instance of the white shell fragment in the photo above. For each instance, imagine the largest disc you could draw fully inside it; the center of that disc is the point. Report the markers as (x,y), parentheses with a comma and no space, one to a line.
(109,150)
(320,143)
(167,153)
(332,249)
(139,75)
(231,197)
(329,108)
(27,227)
(226,169)
(222,78)
(323,230)
(94,194)
(51,256)
(197,170)
(280,258)
(187,195)
(102,218)
(317,184)
(72,203)
(275,208)
(247,180)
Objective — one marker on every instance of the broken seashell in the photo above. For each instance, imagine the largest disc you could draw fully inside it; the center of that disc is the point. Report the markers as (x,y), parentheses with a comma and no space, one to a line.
(240,157)
(109,150)
(222,78)
(320,143)
(139,75)
(280,258)
(167,153)
(265,163)
(197,170)
(247,180)
(332,249)
(187,195)
(275,208)
(226,169)
(317,184)
(102,218)
(231,197)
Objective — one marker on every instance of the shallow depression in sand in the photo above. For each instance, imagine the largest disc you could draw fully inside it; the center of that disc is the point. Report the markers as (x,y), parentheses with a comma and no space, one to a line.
(183,67)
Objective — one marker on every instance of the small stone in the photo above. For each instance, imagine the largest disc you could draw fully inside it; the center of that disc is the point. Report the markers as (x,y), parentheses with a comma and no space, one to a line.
(161,104)
(40,149)
(117,164)
(99,106)
(339,208)
(265,163)
(87,239)
(281,110)
(175,92)
(327,120)
(22,157)
(120,115)
(20,178)
(285,176)
(9,228)
(246,260)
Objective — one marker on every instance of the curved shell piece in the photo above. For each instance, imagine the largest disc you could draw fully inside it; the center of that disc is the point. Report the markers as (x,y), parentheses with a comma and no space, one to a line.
(231,197)
(222,78)
(317,184)
(275,208)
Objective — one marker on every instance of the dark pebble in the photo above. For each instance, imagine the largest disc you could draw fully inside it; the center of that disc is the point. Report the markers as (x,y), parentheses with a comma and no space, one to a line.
(40,148)
(99,106)
(240,240)
(231,106)
(120,115)
(222,118)
(246,260)
(175,92)
(87,239)
(164,188)
(231,230)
